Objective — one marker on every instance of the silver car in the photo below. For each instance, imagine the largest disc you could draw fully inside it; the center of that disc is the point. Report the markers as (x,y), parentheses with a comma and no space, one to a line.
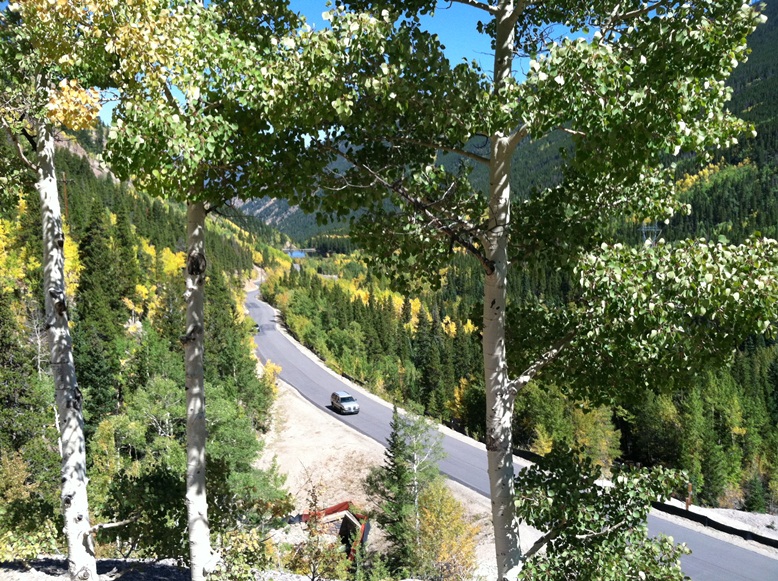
(344,403)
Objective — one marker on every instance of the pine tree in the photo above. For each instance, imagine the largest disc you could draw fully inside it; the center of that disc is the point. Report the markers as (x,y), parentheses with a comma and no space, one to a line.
(410,465)
(755,497)
(98,299)
(407,312)
(98,330)
(17,423)
(129,274)
(714,474)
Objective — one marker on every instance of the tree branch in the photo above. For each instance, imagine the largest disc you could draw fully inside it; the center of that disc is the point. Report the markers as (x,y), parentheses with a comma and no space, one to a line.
(543,541)
(572,131)
(617,18)
(601,533)
(209,106)
(517,11)
(423,207)
(112,525)
(19,150)
(169,96)
(30,139)
(516,138)
(640,11)
(480,5)
(438,146)
(547,357)
(555,532)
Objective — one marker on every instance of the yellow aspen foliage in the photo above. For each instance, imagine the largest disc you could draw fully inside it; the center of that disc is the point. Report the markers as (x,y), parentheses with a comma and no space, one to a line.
(238,296)
(710,170)
(15,486)
(594,433)
(14,478)
(73,266)
(397,303)
(133,326)
(282,301)
(105,459)
(448,539)
(415,310)
(281,257)
(243,551)
(143,292)
(359,294)
(72,105)
(31,260)
(543,442)
(112,434)
(299,325)
(172,262)
(344,284)
(276,272)
(270,374)
(469,328)
(148,249)
(449,327)
(21,207)
(47,11)
(456,405)
(11,267)
(735,413)
(152,303)
(148,301)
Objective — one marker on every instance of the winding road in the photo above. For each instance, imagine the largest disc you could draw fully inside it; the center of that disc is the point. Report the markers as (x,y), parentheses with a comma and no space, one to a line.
(712,559)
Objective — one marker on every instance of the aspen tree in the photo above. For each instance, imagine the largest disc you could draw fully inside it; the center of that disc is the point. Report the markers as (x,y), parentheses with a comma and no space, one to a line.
(630,85)
(49,61)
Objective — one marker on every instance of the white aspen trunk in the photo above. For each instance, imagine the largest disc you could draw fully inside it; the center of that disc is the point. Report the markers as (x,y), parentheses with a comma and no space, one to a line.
(37,334)
(75,507)
(499,399)
(416,494)
(196,501)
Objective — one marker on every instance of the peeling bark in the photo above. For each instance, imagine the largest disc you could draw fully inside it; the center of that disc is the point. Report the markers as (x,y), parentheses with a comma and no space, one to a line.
(75,507)
(196,501)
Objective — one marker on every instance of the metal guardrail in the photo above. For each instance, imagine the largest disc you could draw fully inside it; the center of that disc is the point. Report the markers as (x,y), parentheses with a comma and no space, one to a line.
(712,523)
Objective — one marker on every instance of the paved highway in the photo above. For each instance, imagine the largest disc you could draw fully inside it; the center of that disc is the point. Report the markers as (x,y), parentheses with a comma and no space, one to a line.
(712,559)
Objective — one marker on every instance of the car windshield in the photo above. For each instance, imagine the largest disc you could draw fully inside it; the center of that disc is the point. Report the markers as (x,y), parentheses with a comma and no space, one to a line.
(347,399)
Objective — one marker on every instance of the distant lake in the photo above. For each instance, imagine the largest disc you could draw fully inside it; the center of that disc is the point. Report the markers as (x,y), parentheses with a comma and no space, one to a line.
(295,253)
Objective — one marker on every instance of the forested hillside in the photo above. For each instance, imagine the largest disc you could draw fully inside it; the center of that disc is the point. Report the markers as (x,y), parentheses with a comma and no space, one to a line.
(124,268)
(721,426)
